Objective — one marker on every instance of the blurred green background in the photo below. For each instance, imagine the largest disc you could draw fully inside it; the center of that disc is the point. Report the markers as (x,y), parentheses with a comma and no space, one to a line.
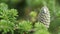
(29,9)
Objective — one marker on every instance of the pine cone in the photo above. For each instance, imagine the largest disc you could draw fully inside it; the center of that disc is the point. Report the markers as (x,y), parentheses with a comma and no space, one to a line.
(44,16)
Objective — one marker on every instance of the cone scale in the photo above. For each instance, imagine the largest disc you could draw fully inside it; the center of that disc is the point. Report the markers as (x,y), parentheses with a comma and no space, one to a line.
(44,16)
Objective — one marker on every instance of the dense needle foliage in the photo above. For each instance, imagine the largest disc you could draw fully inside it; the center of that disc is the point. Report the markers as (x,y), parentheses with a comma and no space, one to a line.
(20,17)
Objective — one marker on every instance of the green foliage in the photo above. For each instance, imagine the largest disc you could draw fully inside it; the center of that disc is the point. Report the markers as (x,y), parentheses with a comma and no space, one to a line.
(33,14)
(7,18)
(6,26)
(7,14)
(25,25)
(9,22)
(41,32)
(40,28)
